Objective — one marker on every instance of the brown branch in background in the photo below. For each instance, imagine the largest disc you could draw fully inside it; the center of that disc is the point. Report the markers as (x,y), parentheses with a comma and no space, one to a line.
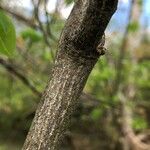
(132,141)
(10,68)
(48,29)
(45,33)
(57,7)
(20,17)
(36,13)
(119,66)
(47,17)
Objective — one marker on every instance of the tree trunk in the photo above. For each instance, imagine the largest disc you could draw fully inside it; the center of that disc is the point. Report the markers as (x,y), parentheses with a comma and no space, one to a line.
(75,59)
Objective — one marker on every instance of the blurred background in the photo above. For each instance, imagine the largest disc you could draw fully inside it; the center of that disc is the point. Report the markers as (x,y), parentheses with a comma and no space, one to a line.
(114,109)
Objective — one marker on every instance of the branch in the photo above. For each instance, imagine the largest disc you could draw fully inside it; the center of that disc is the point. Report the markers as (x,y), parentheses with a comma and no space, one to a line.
(119,66)
(48,23)
(10,68)
(30,23)
(45,33)
(20,17)
(134,141)
(75,60)
(87,100)
(86,25)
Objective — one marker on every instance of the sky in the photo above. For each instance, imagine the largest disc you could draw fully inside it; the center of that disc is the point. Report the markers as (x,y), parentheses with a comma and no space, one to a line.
(51,5)
(120,16)
(146,13)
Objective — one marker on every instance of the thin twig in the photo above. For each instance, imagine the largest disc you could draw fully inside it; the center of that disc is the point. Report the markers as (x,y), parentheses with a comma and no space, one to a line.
(10,68)
(45,34)
(48,23)
(28,22)
(119,66)
(87,99)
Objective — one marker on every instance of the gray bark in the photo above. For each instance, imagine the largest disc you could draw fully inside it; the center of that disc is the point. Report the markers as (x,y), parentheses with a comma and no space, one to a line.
(75,59)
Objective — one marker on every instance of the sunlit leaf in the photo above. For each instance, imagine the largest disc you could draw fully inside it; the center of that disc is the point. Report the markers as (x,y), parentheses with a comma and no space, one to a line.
(7,35)
(139,123)
(30,34)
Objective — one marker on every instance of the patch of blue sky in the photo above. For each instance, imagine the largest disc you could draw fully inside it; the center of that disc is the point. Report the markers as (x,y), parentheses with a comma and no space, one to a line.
(145,17)
(119,20)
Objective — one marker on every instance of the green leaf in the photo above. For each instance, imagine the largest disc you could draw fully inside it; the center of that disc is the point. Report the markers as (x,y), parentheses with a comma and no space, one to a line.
(7,35)
(32,35)
(134,26)
(96,113)
(139,123)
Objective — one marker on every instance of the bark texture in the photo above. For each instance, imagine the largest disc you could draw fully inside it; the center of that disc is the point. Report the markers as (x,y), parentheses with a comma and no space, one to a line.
(75,59)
